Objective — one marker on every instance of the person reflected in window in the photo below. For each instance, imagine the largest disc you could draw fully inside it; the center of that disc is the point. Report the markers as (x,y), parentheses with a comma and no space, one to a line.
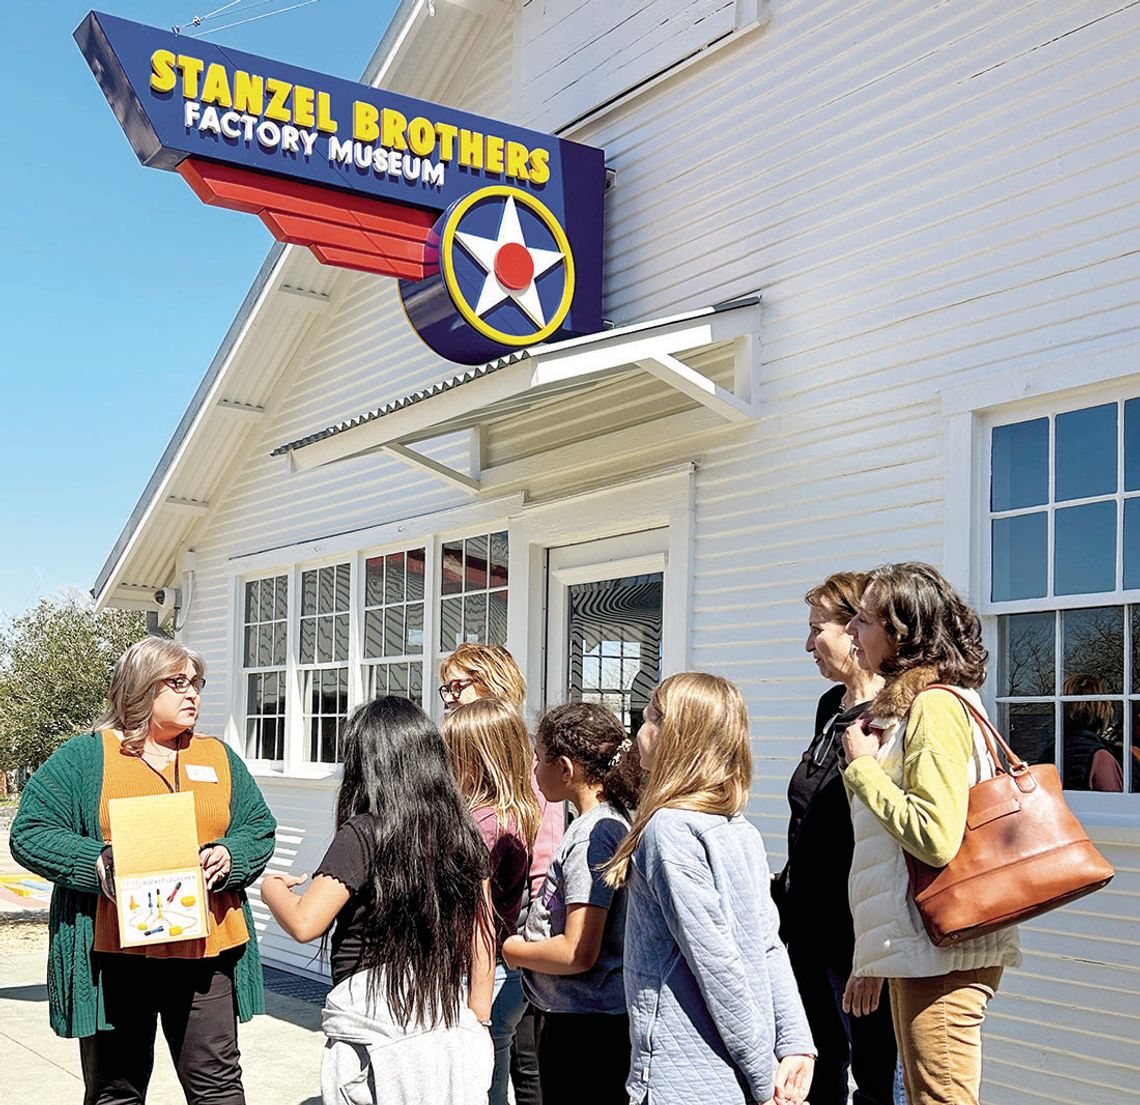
(849,1016)
(1091,741)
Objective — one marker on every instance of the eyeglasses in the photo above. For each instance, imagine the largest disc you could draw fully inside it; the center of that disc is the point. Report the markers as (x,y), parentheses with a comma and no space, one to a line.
(180,684)
(454,688)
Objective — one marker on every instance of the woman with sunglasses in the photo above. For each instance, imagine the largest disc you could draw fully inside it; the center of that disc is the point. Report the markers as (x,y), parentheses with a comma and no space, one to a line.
(472,672)
(111,997)
(850,1023)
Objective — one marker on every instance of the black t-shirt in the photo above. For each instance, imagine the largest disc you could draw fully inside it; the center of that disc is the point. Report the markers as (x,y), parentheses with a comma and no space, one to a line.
(811,891)
(349,861)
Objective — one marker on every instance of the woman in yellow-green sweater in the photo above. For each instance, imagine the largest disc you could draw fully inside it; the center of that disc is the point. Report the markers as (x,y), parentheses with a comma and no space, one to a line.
(909,765)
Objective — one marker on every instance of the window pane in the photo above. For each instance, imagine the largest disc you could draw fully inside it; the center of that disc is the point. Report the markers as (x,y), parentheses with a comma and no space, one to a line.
(475,618)
(416,682)
(1132,445)
(1131,543)
(281,598)
(497,618)
(398,679)
(1086,453)
(324,640)
(252,602)
(1020,465)
(373,633)
(374,581)
(394,631)
(264,646)
(326,589)
(343,588)
(414,628)
(250,651)
(1135,784)
(266,599)
(475,563)
(340,637)
(1084,549)
(309,592)
(451,568)
(308,650)
(1020,558)
(498,560)
(394,578)
(1028,661)
(1093,644)
(1091,746)
(415,574)
(280,636)
(450,624)
(1029,728)
(377,680)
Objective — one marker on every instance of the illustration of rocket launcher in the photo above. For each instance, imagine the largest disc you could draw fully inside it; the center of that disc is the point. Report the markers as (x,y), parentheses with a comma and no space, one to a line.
(159,889)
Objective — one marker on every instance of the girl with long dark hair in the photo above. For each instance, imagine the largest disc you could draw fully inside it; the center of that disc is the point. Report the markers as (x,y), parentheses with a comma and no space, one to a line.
(412,952)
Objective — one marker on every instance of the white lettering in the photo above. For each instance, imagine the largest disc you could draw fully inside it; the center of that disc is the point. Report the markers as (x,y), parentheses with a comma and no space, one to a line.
(268,133)
(190,113)
(308,141)
(395,163)
(433,174)
(340,151)
(209,121)
(290,139)
(231,124)
(249,121)
(380,159)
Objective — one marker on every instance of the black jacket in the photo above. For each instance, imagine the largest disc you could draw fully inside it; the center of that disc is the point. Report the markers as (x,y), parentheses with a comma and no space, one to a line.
(811,890)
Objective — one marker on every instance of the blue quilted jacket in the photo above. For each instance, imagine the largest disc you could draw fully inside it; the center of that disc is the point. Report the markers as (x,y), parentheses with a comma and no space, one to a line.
(712,1001)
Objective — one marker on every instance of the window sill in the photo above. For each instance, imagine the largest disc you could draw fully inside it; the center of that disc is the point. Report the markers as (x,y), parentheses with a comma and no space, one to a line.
(269,771)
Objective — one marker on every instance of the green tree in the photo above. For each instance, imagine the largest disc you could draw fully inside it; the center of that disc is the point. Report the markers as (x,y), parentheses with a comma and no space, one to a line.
(55,665)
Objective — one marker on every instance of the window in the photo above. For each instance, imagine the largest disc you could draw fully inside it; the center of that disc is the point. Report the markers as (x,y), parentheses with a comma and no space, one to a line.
(323,657)
(1064,511)
(264,626)
(473,591)
(394,625)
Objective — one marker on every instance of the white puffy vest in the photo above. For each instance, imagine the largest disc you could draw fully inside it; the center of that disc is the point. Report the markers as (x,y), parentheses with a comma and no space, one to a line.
(890,941)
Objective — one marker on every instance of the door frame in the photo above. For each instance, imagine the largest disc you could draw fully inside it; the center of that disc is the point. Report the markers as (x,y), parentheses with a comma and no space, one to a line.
(628,554)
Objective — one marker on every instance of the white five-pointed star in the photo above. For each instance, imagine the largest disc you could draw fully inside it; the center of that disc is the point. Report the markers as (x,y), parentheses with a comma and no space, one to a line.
(484,251)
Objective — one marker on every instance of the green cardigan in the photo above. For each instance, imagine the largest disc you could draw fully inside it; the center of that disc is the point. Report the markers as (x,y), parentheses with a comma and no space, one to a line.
(57,835)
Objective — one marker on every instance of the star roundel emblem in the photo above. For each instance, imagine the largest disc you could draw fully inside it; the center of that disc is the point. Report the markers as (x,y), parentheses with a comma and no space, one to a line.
(507,265)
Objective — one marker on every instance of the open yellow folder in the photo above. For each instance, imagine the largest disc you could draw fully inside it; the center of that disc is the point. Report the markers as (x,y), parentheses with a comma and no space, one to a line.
(160,893)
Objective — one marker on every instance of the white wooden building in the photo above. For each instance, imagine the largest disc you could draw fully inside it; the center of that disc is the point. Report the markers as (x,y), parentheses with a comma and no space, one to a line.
(921,224)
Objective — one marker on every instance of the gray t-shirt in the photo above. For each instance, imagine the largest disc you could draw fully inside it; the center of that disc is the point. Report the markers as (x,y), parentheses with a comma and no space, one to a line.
(577,877)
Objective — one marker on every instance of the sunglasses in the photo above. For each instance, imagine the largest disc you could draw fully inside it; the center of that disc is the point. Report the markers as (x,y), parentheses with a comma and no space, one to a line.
(454,688)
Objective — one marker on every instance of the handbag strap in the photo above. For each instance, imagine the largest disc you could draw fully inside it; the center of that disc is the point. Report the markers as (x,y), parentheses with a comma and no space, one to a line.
(1017,766)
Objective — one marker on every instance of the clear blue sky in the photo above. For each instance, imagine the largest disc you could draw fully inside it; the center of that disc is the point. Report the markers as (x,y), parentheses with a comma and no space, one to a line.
(117,283)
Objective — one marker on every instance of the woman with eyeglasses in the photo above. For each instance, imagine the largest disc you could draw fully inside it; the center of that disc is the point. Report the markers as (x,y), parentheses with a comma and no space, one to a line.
(471,672)
(111,997)
(850,1023)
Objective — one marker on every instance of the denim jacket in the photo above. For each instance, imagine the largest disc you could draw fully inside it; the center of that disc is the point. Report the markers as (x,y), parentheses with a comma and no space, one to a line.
(711,997)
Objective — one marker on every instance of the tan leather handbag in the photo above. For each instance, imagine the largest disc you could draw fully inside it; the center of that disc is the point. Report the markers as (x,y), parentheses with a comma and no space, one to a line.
(1023,852)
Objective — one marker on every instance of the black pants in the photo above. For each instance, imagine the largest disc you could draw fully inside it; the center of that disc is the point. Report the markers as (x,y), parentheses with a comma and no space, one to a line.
(194,998)
(524,1060)
(864,1045)
(573,1044)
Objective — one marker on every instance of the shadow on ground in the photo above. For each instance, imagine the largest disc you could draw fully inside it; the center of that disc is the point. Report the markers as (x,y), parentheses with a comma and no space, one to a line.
(23,993)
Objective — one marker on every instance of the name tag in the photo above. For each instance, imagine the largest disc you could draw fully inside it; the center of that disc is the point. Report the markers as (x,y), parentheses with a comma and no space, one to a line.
(201,773)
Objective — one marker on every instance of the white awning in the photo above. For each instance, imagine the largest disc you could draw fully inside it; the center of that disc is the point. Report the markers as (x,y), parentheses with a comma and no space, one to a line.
(520,381)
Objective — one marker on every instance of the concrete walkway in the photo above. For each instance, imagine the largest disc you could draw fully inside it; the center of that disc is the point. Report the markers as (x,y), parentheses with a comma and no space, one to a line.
(280,1052)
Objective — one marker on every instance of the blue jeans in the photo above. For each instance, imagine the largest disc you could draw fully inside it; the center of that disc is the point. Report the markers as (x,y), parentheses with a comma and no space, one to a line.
(506,1012)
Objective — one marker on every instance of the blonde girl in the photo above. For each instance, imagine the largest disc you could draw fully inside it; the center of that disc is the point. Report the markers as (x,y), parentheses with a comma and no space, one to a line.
(490,755)
(710,992)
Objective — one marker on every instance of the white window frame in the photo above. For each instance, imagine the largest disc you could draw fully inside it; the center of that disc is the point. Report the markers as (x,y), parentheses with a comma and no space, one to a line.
(971,412)
(244,671)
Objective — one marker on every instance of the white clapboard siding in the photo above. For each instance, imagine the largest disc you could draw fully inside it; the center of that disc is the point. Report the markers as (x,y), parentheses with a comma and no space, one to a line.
(928,196)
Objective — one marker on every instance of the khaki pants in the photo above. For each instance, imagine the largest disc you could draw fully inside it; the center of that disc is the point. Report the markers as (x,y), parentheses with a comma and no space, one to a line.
(938,1024)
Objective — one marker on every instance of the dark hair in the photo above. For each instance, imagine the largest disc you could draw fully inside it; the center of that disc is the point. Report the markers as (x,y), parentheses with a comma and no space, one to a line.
(428,861)
(840,593)
(929,622)
(592,737)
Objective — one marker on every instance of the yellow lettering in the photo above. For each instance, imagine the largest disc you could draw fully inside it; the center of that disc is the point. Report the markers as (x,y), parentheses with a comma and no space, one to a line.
(392,127)
(446,133)
(421,136)
(216,86)
(303,106)
(278,94)
(494,154)
(325,121)
(539,166)
(249,93)
(162,78)
(191,71)
(364,118)
(517,154)
(471,149)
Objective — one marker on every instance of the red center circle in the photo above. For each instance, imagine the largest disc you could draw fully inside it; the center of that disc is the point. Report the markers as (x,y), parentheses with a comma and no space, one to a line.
(514,267)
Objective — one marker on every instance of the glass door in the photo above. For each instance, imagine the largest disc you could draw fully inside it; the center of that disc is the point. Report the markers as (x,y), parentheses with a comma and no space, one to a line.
(604,623)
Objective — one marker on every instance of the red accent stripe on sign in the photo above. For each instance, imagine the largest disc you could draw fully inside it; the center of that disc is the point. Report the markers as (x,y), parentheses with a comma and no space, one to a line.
(339,228)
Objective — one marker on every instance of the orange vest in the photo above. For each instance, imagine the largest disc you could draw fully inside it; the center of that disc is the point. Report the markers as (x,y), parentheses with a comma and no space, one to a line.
(128,776)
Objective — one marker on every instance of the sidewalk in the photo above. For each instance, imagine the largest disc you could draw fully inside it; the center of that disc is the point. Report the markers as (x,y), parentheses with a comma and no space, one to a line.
(280,1052)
